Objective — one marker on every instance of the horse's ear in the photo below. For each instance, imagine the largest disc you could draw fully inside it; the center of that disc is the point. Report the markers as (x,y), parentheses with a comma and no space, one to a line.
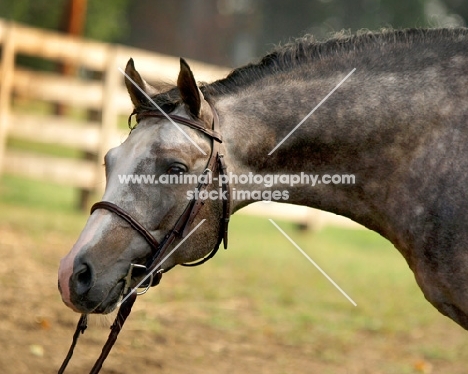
(137,87)
(189,91)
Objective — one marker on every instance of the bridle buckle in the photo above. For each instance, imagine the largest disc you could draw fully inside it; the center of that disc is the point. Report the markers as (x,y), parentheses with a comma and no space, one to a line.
(128,279)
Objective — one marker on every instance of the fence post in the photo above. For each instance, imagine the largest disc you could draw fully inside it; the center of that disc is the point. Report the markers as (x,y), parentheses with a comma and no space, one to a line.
(109,117)
(85,194)
(6,84)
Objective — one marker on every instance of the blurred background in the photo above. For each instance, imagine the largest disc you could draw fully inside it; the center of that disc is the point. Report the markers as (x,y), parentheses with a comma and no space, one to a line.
(226,32)
(259,307)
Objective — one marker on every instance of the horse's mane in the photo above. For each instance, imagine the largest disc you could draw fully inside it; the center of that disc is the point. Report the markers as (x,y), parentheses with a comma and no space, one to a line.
(307,49)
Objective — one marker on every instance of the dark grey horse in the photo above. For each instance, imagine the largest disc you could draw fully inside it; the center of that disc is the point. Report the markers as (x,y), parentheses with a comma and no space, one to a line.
(398,124)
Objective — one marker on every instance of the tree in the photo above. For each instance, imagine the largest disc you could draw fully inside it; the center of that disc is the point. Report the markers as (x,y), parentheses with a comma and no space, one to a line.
(105,19)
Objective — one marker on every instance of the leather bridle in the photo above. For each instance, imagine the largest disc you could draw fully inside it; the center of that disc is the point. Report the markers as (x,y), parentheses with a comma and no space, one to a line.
(181,229)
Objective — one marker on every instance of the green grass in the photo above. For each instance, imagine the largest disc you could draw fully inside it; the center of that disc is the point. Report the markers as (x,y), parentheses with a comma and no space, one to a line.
(284,288)
(55,150)
(36,194)
(263,285)
(39,206)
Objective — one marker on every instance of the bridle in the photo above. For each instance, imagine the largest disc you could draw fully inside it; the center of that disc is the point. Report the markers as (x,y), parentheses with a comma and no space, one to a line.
(181,229)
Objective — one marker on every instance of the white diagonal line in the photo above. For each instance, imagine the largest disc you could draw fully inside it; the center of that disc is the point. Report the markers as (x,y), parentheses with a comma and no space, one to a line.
(157,106)
(313,262)
(160,262)
(311,112)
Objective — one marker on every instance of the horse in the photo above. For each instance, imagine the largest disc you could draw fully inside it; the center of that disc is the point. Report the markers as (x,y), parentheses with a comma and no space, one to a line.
(398,124)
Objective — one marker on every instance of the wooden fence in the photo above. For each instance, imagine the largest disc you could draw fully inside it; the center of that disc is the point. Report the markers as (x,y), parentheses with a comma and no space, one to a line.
(105,95)
(90,135)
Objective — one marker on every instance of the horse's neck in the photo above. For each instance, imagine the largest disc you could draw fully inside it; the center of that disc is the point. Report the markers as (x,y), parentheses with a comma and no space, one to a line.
(371,131)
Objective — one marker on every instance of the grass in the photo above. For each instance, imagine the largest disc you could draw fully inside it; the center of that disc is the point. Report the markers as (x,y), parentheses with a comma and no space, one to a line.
(286,290)
(39,207)
(36,194)
(54,150)
(262,285)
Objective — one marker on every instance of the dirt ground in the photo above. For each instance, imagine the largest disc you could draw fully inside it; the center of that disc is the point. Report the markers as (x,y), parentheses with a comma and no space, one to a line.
(36,330)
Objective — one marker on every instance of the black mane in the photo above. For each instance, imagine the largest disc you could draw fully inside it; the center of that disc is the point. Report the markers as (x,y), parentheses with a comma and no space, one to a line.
(305,50)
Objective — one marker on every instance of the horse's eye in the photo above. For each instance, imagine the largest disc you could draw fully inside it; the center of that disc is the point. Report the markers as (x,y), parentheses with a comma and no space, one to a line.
(176,169)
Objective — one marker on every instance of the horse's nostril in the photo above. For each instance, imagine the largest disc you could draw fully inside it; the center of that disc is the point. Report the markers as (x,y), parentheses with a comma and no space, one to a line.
(83,278)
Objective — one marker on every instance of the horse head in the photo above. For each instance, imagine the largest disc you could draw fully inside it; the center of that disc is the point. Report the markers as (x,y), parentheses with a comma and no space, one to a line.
(92,276)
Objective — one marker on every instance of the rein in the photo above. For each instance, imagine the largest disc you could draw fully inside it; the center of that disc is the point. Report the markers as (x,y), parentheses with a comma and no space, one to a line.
(153,271)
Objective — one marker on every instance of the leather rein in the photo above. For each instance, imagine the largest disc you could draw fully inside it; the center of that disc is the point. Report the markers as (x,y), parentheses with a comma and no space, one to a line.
(181,229)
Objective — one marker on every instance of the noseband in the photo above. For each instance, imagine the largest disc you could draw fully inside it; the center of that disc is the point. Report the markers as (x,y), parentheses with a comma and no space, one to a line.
(181,229)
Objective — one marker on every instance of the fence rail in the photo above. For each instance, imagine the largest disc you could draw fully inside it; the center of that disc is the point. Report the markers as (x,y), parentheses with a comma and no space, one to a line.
(95,87)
